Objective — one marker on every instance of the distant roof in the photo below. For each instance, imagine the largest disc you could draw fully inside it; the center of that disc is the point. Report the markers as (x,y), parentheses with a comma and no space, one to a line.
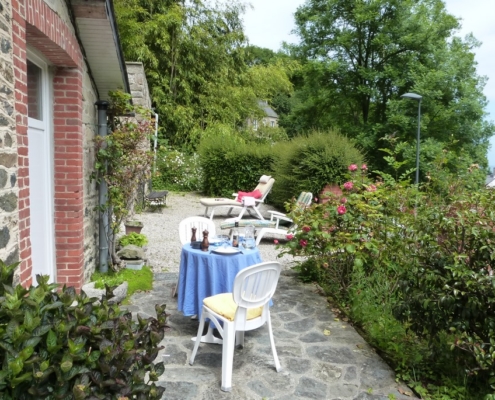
(490,181)
(267,109)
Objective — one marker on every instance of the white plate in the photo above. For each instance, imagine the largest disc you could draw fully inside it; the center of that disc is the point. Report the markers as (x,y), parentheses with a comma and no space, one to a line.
(226,250)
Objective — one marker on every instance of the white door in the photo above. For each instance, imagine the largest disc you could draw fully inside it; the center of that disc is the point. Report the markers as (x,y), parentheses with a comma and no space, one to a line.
(40,154)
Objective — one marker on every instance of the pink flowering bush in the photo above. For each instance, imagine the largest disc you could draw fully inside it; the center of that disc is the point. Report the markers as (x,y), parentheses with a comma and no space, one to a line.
(341,210)
(419,263)
(341,233)
(348,185)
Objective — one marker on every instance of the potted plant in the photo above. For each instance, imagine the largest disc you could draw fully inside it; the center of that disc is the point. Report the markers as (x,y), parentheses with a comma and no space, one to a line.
(133,226)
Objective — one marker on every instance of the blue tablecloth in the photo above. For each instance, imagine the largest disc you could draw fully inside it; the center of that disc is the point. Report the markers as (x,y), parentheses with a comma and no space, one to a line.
(203,274)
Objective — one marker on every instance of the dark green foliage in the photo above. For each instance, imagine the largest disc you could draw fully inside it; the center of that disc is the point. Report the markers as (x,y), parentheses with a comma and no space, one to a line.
(450,286)
(230,165)
(308,163)
(359,57)
(60,345)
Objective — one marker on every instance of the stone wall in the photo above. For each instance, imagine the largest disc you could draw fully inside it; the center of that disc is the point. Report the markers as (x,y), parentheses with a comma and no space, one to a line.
(138,83)
(9,213)
(90,129)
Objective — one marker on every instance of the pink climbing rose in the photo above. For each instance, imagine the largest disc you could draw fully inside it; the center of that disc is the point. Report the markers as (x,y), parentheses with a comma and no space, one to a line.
(371,188)
(306,228)
(348,185)
(290,236)
(364,167)
(275,241)
(341,210)
(353,167)
(303,242)
(343,200)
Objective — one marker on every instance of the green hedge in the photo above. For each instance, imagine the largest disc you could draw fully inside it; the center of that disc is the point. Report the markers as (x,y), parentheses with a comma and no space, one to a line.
(308,163)
(229,164)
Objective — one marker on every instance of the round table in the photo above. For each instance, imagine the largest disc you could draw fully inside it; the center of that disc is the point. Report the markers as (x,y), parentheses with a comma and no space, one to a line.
(205,273)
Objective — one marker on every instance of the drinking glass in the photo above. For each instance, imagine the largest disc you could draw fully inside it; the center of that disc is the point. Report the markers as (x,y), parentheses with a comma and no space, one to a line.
(250,243)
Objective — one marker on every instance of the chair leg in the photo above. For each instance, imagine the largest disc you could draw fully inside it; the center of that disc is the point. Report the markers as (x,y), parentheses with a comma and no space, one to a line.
(241,213)
(278,367)
(239,339)
(259,214)
(206,212)
(198,337)
(227,356)
(174,290)
(230,211)
(260,236)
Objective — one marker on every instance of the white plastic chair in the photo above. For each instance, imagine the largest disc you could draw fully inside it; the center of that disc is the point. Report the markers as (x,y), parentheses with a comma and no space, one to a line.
(304,200)
(185,233)
(245,309)
(201,223)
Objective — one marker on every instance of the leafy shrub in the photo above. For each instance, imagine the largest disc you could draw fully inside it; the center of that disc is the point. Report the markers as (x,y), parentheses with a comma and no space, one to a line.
(137,239)
(450,286)
(415,271)
(60,345)
(308,163)
(229,164)
(176,170)
(264,134)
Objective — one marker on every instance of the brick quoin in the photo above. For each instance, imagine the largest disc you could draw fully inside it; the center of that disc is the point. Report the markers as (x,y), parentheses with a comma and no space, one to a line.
(34,23)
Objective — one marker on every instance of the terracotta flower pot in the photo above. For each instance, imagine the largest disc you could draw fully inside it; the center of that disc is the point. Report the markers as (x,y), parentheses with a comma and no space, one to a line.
(133,226)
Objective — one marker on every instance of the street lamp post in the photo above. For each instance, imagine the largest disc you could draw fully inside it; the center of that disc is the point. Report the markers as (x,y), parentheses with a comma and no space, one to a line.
(417,97)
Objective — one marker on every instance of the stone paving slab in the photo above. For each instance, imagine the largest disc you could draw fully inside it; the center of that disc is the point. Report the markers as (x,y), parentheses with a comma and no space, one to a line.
(335,366)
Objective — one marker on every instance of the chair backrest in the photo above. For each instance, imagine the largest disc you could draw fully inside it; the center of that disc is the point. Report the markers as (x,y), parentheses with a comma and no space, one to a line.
(254,286)
(201,223)
(304,200)
(265,188)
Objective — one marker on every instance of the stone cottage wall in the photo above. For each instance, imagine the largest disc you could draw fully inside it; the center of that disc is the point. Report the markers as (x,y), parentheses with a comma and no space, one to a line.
(141,97)
(90,130)
(138,84)
(9,213)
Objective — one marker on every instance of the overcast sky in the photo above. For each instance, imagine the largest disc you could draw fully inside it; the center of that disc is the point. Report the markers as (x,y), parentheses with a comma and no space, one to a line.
(270,22)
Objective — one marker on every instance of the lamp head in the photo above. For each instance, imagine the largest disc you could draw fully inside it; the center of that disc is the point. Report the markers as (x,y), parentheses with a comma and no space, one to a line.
(413,96)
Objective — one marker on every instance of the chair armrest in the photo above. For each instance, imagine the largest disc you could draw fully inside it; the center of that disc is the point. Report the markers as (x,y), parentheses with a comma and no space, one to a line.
(278,216)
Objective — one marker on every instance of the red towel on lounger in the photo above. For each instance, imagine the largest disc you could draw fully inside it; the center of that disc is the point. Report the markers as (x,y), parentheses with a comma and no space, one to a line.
(256,194)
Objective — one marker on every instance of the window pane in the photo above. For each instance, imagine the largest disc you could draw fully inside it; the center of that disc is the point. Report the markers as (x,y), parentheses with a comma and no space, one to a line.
(34,91)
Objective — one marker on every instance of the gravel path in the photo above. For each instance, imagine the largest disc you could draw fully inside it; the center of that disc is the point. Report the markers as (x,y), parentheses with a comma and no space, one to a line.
(162,231)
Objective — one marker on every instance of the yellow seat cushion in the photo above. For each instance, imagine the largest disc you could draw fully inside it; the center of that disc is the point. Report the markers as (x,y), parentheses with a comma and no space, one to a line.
(224,305)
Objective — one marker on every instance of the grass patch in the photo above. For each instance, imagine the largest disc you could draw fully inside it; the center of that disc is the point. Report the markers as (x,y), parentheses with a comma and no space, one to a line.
(141,280)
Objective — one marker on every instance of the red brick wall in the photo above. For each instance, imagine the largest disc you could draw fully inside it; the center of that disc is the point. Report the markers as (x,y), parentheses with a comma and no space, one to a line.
(34,23)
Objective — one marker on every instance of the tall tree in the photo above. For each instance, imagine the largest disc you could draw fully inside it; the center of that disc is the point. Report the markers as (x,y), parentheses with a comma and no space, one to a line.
(194,56)
(361,55)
